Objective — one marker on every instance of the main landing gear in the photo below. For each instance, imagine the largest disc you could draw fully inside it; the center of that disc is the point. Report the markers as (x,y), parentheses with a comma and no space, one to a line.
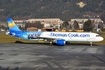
(51,43)
(48,40)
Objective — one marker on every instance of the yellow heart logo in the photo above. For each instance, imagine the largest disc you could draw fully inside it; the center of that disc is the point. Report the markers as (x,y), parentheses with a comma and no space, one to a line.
(11,25)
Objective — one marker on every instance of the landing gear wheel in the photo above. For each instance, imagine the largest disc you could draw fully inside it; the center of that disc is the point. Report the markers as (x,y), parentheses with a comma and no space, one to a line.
(67,43)
(45,40)
(50,44)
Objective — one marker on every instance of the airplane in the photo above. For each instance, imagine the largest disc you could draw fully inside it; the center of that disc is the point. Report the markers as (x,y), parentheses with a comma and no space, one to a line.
(60,38)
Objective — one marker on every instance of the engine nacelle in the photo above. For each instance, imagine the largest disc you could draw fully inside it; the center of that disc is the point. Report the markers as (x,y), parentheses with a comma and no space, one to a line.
(60,42)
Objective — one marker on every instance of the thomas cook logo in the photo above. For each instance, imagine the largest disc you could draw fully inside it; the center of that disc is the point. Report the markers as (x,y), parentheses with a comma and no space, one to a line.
(11,25)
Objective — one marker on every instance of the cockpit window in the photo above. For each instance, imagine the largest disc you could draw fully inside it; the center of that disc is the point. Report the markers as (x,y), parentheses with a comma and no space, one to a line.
(97,35)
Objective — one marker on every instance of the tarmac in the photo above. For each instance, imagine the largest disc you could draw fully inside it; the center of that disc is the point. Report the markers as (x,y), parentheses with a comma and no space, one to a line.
(20,56)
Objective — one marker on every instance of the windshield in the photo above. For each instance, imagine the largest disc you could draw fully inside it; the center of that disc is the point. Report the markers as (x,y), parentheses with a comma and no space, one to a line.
(97,35)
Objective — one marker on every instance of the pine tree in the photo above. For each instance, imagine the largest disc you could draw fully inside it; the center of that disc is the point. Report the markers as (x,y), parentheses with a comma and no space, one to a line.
(88,26)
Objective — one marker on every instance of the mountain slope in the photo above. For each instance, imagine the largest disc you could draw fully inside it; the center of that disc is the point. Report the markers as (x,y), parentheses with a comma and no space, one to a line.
(64,9)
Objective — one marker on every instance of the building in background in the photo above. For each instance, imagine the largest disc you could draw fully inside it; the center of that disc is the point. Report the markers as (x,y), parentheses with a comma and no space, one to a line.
(48,22)
(20,23)
(96,21)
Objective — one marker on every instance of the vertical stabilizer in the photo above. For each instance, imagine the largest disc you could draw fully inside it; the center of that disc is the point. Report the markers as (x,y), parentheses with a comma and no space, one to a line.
(12,26)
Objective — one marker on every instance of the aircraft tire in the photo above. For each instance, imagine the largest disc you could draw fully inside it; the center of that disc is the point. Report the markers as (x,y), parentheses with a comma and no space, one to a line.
(50,44)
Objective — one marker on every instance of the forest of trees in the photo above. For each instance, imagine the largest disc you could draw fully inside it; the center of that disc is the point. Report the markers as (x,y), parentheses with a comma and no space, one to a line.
(63,9)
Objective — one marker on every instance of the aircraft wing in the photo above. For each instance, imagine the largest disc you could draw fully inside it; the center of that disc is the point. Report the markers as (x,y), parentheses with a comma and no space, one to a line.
(47,35)
(48,38)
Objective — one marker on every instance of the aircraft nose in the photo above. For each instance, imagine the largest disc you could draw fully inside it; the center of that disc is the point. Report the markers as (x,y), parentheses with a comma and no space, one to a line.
(101,38)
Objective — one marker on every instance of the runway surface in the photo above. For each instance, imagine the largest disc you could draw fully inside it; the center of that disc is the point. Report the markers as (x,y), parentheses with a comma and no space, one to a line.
(18,56)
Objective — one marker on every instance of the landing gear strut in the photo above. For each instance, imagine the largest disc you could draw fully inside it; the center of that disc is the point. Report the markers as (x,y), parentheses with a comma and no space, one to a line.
(90,43)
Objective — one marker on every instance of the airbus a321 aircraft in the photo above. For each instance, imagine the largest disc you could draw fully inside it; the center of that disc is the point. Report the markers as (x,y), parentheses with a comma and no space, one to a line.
(60,38)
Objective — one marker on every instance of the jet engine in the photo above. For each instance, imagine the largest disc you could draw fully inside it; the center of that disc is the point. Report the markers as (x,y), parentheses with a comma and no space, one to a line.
(60,42)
